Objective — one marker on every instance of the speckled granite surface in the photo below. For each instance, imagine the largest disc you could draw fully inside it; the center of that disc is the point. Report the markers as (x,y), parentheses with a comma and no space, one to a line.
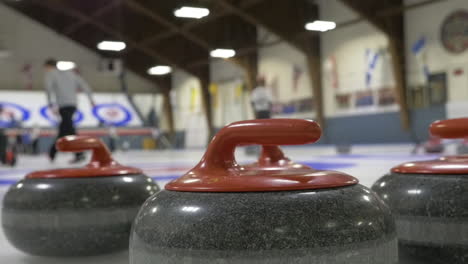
(341,225)
(74,216)
(431,215)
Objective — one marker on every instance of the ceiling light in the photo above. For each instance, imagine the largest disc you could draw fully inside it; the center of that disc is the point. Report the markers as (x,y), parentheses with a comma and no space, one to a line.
(159,70)
(65,65)
(319,25)
(111,45)
(223,53)
(191,12)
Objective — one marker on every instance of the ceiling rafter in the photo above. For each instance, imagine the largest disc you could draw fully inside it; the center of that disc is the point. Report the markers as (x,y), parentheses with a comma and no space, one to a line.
(186,27)
(248,6)
(101,11)
(396,10)
(368,9)
(172,26)
(256,21)
(297,37)
(60,7)
(204,75)
(188,35)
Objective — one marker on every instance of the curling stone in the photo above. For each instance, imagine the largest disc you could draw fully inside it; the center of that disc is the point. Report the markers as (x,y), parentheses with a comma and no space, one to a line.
(430,202)
(76,212)
(220,212)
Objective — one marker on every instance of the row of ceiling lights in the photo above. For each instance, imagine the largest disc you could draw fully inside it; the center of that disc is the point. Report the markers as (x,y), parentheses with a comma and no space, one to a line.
(194,13)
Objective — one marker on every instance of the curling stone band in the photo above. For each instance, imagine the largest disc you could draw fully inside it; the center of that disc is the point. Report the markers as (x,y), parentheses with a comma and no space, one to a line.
(419,216)
(365,237)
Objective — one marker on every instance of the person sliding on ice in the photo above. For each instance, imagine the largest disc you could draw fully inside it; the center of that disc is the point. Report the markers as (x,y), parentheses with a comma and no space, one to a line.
(262,100)
(62,92)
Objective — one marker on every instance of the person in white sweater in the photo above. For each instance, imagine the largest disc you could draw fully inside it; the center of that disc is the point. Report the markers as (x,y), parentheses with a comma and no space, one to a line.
(62,89)
(262,100)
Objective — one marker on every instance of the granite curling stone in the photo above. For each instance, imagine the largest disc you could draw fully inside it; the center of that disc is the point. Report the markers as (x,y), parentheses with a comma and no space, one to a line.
(220,212)
(76,212)
(430,202)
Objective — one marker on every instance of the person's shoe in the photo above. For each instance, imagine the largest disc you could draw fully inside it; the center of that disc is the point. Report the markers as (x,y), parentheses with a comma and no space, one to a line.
(78,159)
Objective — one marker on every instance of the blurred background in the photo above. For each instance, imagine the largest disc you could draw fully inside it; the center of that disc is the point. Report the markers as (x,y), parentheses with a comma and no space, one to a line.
(157,79)
(169,74)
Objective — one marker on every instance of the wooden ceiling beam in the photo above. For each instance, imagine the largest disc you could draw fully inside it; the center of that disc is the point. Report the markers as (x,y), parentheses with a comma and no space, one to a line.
(188,35)
(239,11)
(106,8)
(172,26)
(204,78)
(367,10)
(203,74)
(246,63)
(249,63)
(186,27)
(165,83)
(306,34)
(60,7)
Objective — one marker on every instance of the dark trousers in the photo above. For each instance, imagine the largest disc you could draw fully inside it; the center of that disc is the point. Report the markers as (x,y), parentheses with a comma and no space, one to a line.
(3,146)
(66,128)
(35,146)
(265,114)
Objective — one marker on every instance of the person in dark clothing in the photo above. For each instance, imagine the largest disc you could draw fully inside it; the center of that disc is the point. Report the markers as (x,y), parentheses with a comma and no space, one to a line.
(3,141)
(62,92)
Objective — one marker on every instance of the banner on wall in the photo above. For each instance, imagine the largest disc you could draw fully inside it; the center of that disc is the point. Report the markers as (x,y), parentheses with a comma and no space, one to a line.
(299,106)
(372,57)
(331,70)
(214,89)
(386,96)
(297,72)
(193,99)
(419,51)
(364,98)
(28,109)
(13,114)
(343,101)
(239,92)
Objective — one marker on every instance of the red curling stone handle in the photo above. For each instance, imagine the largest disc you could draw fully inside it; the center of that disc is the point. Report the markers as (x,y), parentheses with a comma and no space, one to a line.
(271,154)
(101,154)
(450,128)
(220,152)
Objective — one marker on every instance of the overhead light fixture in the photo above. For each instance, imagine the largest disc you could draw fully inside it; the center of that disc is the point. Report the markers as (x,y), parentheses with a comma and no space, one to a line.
(111,45)
(223,53)
(159,70)
(320,25)
(65,65)
(191,12)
